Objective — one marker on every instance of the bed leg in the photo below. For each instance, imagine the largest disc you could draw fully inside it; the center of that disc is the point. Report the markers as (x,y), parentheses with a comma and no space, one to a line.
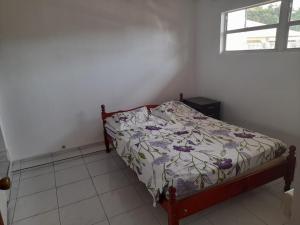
(106,141)
(181,97)
(290,170)
(172,214)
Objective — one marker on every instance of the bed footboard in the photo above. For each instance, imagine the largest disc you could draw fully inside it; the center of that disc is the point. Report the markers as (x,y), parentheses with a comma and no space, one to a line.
(179,209)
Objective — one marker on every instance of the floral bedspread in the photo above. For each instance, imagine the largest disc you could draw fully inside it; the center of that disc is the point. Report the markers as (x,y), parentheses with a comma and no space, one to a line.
(192,153)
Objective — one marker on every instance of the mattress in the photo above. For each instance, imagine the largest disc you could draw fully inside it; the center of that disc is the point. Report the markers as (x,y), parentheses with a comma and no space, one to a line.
(193,154)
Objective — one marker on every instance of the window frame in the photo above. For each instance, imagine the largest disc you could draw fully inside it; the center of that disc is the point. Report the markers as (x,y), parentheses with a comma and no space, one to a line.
(289,24)
(282,32)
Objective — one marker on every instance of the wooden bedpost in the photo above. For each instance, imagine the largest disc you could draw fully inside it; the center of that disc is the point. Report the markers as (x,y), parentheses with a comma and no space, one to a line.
(181,97)
(290,170)
(106,141)
(172,214)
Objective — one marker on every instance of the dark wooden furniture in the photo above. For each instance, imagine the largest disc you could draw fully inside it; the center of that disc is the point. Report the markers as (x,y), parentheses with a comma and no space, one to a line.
(4,185)
(208,107)
(180,208)
(1,220)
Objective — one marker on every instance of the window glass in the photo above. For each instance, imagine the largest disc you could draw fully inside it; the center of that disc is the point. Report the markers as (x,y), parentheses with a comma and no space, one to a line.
(254,16)
(294,37)
(251,40)
(295,15)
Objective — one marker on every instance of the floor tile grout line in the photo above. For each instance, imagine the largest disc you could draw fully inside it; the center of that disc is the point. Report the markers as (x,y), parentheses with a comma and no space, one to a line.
(18,184)
(59,186)
(110,191)
(15,205)
(131,210)
(38,164)
(91,197)
(45,165)
(38,192)
(71,166)
(256,216)
(13,214)
(58,210)
(43,174)
(41,212)
(49,163)
(78,201)
(114,170)
(73,182)
(91,177)
(54,161)
(34,194)
(54,172)
(42,156)
(107,192)
(95,195)
(131,184)
(101,222)
(48,189)
(38,214)
(206,215)
(51,154)
(98,197)
(81,157)
(116,189)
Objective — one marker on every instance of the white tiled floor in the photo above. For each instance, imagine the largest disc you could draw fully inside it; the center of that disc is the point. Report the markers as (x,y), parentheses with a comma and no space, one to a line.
(97,189)
(71,175)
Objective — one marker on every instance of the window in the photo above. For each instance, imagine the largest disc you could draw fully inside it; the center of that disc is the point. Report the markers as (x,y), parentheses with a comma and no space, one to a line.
(266,26)
(294,26)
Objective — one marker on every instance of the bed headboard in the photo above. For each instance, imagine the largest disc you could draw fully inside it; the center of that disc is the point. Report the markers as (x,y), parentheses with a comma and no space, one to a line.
(105,114)
(109,114)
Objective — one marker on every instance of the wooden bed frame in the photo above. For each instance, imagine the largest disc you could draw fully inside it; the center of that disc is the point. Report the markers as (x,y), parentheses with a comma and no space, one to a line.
(180,208)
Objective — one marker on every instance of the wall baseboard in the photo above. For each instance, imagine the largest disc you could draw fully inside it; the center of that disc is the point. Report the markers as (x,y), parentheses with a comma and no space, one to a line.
(52,157)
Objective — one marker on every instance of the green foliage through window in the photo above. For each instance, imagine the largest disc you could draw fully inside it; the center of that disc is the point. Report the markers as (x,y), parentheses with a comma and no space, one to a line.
(268,15)
(265,15)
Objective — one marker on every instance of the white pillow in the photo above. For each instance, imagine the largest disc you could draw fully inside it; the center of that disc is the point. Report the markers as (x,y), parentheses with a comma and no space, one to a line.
(128,120)
(172,110)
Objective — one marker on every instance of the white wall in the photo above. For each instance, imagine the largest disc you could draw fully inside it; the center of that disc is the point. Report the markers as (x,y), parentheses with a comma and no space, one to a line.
(260,91)
(61,59)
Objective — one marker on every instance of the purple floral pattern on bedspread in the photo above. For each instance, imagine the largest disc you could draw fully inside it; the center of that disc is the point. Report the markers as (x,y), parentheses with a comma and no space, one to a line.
(193,157)
(183,148)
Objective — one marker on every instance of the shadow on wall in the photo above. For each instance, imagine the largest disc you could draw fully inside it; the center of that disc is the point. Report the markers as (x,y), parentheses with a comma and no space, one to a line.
(61,59)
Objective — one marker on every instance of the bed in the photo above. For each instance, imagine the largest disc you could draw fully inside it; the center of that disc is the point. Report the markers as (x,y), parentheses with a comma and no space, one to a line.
(189,161)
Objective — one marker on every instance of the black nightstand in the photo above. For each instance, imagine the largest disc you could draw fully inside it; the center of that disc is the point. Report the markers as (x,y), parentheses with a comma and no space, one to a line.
(206,106)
